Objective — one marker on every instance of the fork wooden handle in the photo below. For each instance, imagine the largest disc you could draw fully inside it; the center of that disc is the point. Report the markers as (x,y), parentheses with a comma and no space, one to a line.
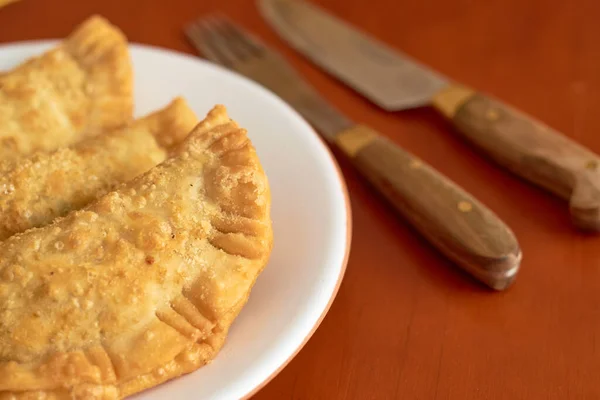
(530,149)
(459,225)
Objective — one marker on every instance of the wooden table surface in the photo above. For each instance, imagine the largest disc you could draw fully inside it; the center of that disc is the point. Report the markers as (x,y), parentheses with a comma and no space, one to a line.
(405,323)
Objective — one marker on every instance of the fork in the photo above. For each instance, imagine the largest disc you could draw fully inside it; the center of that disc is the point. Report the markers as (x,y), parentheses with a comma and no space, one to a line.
(460,226)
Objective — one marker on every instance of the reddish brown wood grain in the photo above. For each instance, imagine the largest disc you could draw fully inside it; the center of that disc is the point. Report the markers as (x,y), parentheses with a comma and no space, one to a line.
(405,323)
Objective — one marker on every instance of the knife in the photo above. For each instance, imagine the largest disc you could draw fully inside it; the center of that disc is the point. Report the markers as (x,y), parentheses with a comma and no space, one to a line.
(394,81)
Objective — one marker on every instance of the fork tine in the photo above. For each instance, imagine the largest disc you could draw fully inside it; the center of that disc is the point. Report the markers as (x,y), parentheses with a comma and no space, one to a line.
(219,40)
(244,41)
(199,39)
(211,43)
(195,36)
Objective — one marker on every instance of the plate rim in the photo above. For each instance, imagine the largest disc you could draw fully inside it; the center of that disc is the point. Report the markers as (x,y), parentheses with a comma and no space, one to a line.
(338,284)
(324,146)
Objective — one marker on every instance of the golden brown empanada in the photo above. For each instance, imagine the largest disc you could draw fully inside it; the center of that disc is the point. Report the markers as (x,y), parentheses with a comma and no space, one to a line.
(78,89)
(36,189)
(142,285)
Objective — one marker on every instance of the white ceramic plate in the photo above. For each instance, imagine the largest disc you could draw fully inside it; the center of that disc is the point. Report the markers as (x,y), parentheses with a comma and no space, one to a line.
(310,214)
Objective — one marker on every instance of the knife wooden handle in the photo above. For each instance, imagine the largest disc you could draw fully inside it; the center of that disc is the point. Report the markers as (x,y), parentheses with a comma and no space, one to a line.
(530,149)
(459,225)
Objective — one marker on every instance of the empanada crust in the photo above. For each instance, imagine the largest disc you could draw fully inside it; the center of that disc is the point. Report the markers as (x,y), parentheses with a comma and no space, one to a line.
(142,285)
(78,89)
(39,188)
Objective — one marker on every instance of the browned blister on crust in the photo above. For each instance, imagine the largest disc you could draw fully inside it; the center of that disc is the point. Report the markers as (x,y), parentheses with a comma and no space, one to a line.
(39,188)
(78,89)
(142,285)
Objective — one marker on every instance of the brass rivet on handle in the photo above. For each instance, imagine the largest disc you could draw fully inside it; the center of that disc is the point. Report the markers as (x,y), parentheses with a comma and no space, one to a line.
(592,165)
(464,206)
(492,115)
(415,164)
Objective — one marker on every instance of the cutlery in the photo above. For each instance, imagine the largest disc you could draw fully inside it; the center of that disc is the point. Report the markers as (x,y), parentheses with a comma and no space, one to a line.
(394,81)
(458,224)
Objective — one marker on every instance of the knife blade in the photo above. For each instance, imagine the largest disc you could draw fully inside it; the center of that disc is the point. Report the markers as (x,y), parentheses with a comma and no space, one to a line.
(394,81)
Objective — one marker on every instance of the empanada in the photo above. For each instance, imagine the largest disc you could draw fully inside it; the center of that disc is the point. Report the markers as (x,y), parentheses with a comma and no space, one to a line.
(142,285)
(36,189)
(78,89)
